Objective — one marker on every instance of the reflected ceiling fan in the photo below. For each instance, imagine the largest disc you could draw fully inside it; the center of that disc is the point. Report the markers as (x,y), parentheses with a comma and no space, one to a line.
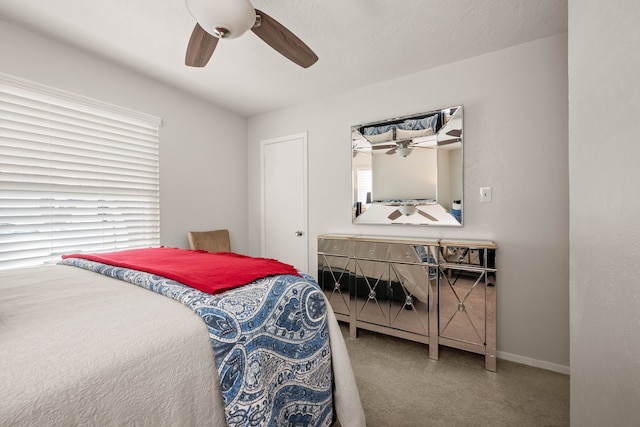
(408,209)
(403,147)
(221,19)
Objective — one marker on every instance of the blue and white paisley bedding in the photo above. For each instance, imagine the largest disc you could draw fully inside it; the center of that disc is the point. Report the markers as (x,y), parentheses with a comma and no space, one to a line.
(270,342)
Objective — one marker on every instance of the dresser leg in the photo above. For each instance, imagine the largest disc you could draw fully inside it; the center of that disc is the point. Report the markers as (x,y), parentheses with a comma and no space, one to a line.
(433,350)
(490,362)
(353,330)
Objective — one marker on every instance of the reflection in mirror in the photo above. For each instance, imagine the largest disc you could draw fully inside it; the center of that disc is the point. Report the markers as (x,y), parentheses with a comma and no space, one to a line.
(408,170)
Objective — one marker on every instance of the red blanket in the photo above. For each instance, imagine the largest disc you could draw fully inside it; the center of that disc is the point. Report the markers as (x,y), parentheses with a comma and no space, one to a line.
(207,272)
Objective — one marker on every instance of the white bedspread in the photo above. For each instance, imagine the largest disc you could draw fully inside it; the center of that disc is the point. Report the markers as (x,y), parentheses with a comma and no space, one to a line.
(79,348)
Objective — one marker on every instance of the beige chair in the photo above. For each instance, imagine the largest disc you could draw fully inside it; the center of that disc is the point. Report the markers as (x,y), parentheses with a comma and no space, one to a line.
(210,241)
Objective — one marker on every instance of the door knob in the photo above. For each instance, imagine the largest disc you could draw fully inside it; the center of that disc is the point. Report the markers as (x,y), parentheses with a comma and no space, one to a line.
(298,233)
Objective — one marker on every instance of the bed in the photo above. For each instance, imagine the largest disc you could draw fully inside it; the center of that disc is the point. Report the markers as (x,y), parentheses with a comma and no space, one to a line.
(92,343)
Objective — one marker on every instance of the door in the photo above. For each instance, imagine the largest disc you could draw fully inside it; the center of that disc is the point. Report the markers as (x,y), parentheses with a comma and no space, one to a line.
(284,200)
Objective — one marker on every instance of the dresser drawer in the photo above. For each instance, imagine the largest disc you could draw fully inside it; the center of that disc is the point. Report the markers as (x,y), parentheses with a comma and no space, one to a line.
(469,254)
(338,247)
(371,250)
(406,253)
(394,252)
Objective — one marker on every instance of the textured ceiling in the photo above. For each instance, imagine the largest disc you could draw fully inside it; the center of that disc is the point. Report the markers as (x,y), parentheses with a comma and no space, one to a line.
(359,42)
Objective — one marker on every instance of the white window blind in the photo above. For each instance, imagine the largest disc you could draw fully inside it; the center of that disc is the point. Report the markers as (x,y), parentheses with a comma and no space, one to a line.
(76,175)
(364,184)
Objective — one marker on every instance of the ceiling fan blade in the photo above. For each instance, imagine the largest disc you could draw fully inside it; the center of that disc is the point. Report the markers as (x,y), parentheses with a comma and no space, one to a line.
(200,48)
(426,215)
(284,41)
(449,141)
(395,215)
(392,151)
(382,146)
(455,132)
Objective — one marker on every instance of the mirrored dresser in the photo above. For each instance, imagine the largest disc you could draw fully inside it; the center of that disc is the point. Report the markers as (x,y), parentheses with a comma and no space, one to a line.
(437,292)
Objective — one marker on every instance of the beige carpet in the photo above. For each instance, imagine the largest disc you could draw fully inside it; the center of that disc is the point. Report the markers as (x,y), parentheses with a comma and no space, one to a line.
(400,386)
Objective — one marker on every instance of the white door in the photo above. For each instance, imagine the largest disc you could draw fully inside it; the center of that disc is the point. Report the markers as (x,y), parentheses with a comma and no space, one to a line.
(284,200)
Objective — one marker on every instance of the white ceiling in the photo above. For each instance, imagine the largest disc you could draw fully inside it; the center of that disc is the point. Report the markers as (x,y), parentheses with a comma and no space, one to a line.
(359,42)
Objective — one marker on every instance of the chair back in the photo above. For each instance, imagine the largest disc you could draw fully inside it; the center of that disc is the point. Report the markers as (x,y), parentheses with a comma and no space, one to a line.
(210,241)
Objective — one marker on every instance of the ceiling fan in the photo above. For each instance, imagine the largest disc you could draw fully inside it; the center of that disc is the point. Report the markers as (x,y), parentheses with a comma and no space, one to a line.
(403,147)
(222,19)
(408,209)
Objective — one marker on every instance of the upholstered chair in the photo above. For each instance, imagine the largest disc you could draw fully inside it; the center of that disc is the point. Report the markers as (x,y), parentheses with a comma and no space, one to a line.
(210,241)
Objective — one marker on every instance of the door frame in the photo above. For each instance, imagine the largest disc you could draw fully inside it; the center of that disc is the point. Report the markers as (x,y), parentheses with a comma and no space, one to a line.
(305,198)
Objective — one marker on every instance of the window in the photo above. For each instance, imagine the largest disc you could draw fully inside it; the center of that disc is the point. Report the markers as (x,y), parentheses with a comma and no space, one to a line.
(76,175)
(364,185)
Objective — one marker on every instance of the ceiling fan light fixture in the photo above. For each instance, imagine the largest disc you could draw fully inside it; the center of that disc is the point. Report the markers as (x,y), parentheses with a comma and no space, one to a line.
(223,18)
(407,210)
(404,151)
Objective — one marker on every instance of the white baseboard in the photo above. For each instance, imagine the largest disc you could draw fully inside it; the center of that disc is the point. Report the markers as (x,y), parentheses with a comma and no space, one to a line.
(533,362)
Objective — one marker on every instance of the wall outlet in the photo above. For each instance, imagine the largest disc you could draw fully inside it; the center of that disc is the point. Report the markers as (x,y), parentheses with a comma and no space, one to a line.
(485,195)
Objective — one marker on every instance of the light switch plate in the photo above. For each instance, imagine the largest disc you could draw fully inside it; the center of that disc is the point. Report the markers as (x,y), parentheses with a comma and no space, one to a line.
(485,195)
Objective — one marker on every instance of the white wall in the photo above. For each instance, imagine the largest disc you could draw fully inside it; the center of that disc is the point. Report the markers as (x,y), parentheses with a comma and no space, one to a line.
(515,107)
(604,153)
(203,149)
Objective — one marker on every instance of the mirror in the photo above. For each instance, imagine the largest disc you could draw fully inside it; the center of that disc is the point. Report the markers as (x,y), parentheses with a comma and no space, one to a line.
(408,170)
